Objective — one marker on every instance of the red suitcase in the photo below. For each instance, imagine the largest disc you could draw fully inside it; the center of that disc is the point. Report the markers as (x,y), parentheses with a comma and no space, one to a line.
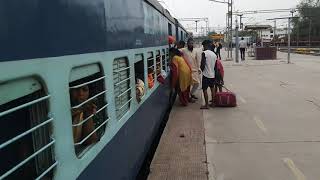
(225,99)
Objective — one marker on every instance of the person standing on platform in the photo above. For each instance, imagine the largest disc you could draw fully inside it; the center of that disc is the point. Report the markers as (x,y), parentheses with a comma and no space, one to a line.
(208,62)
(181,44)
(192,56)
(218,51)
(243,46)
(213,47)
(181,76)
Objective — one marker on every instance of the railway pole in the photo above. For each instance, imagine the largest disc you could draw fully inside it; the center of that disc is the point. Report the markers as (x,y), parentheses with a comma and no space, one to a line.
(289,39)
(275,32)
(196,25)
(309,32)
(298,32)
(230,15)
(229,26)
(227,35)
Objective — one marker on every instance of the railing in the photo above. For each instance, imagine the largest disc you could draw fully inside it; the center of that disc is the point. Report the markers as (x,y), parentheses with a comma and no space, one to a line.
(18,137)
(92,115)
(121,92)
(87,83)
(168,63)
(163,59)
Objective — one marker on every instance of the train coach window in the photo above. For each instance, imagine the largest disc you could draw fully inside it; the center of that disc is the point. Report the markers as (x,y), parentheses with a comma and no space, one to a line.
(169,29)
(139,76)
(168,60)
(163,59)
(158,63)
(122,89)
(151,74)
(26,143)
(88,106)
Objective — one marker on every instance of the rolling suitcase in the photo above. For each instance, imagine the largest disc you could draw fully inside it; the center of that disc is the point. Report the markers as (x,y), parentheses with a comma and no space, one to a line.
(225,99)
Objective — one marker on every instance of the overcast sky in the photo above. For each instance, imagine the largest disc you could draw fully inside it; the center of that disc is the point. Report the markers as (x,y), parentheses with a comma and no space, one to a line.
(216,12)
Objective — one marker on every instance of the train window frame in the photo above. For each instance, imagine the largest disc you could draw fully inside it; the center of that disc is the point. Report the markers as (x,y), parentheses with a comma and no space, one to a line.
(92,77)
(164,63)
(151,66)
(168,59)
(158,63)
(119,91)
(34,104)
(138,64)
(169,29)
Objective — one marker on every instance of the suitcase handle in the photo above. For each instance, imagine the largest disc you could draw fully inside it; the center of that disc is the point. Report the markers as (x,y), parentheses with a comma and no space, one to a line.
(226,88)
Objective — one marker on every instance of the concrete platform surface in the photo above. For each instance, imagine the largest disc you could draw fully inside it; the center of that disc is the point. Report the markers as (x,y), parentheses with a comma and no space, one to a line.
(274,133)
(181,153)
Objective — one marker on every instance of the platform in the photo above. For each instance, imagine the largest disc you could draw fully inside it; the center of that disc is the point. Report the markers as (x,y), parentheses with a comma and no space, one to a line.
(181,154)
(272,134)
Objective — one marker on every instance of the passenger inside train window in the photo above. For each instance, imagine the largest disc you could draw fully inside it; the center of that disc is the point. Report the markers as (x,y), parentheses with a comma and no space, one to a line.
(18,122)
(81,131)
(151,71)
(150,78)
(88,106)
(158,63)
(139,75)
(140,91)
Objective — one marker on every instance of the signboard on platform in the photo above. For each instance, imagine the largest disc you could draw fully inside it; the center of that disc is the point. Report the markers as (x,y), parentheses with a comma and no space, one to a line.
(217,36)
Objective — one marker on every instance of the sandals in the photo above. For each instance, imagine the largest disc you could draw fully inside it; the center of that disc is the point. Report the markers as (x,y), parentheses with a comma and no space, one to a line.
(194,97)
(191,100)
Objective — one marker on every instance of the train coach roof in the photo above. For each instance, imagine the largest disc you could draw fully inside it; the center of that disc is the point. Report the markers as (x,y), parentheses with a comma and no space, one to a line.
(160,8)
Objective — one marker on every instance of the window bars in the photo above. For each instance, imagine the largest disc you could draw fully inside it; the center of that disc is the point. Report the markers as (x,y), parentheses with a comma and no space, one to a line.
(26,147)
(151,69)
(164,60)
(122,89)
(158,63)
(89,110)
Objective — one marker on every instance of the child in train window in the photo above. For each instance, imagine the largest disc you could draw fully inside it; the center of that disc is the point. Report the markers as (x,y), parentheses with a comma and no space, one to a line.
(140,91)
(81,131)
(150,78)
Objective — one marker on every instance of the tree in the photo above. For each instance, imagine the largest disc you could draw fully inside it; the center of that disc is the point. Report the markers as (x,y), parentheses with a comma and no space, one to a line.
(307,25)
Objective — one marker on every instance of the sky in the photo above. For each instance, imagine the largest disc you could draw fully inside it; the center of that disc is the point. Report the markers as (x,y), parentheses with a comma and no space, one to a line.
(216,12)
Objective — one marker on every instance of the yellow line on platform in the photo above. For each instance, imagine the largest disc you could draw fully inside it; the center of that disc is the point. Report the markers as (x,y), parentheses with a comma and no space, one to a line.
(260,124)
(297,173)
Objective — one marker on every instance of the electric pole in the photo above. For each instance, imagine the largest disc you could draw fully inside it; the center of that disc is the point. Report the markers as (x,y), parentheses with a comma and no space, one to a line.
(196,26)
(229,25)
(230,29)
(289,39)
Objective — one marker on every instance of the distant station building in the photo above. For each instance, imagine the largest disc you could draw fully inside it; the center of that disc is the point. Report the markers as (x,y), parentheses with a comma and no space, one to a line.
(266,32)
